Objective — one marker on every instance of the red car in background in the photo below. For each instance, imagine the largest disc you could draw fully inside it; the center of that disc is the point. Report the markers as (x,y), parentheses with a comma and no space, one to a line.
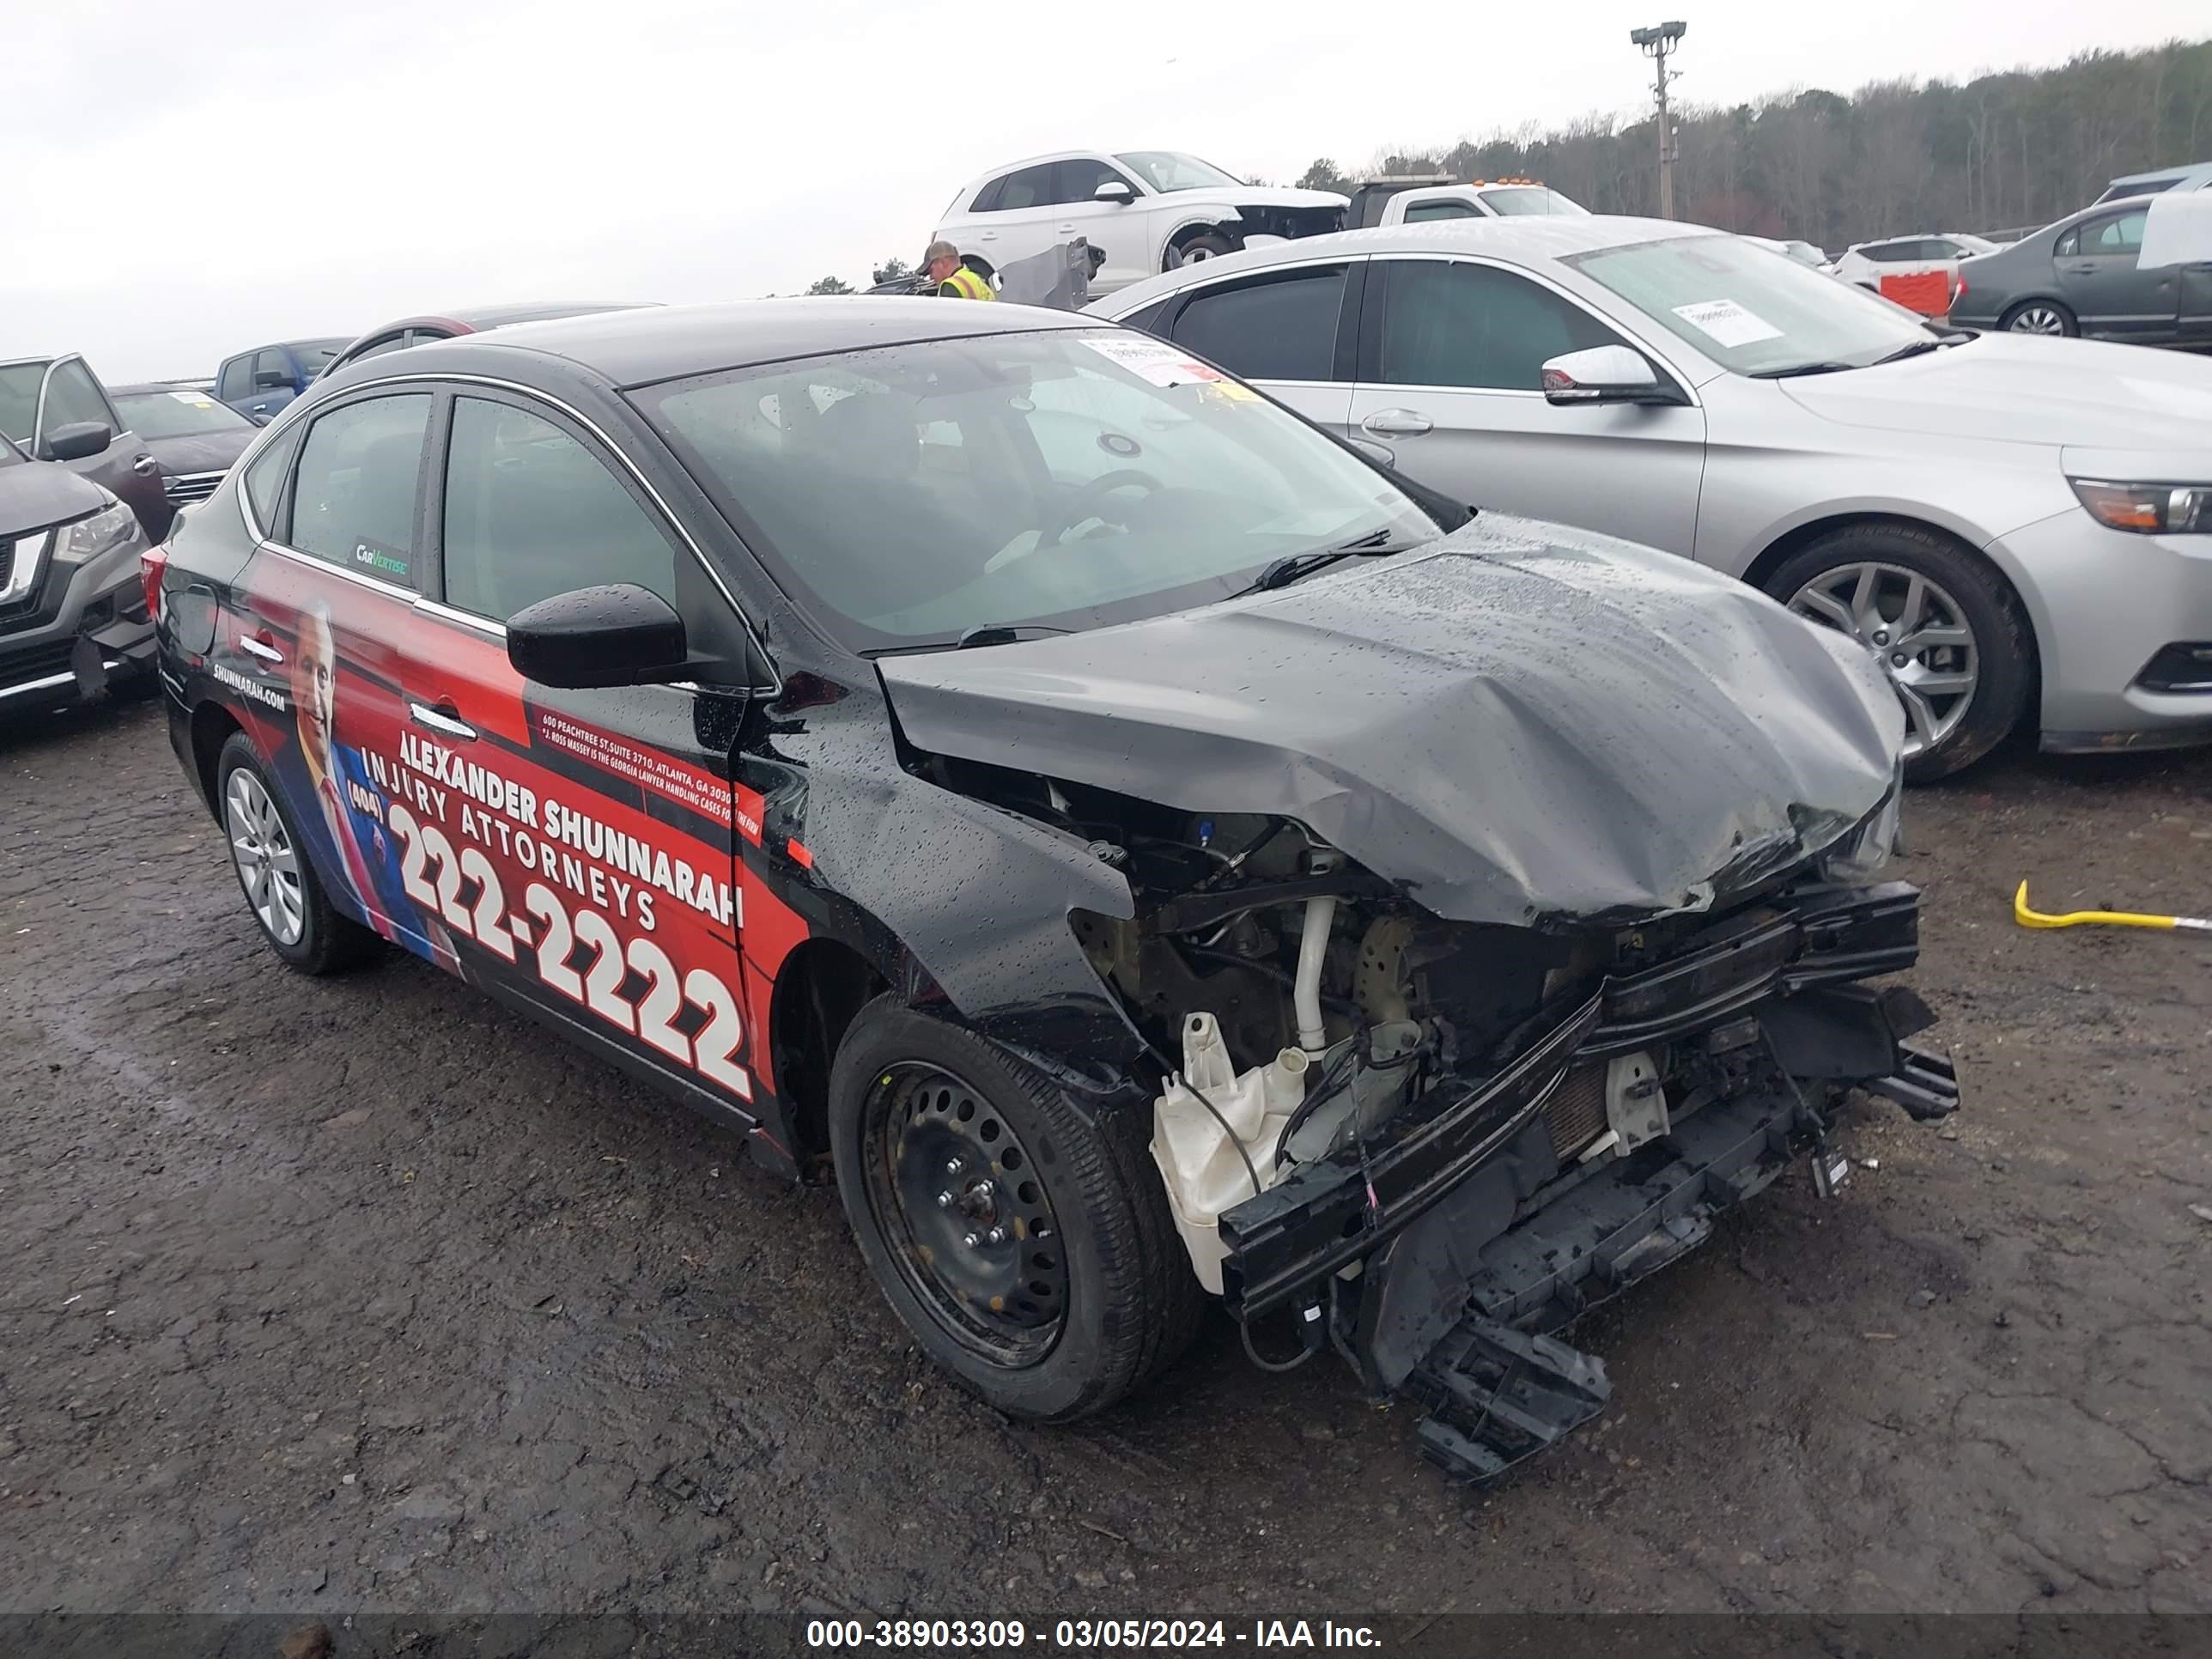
(419,331)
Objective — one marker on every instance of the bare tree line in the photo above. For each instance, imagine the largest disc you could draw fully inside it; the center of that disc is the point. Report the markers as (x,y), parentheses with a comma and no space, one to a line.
(2020,148)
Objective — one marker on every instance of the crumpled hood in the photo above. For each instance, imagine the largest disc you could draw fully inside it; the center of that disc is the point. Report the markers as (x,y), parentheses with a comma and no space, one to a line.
(2083,393)
(1526,721)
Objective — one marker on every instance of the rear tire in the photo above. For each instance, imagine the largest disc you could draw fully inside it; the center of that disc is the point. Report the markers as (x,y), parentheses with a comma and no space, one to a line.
(276,874)
(2044,316)
(1828,583)
(914,1102)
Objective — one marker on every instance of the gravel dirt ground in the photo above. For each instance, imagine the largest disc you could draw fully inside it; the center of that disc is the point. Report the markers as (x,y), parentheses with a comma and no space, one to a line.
(361,1294)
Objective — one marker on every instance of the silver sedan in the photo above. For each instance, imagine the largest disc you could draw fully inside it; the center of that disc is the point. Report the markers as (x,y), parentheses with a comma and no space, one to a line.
(2019,530)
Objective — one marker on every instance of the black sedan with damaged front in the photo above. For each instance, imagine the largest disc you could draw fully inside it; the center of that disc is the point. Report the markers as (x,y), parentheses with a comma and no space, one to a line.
(1167,858)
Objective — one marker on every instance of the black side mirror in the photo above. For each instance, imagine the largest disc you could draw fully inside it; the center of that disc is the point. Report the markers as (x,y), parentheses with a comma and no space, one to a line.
(619,635)
(79,440)
(271,380)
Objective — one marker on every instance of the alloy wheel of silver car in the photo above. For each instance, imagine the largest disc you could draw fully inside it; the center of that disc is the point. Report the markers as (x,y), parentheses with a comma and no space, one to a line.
(1914,629)
(2037,319)
(267,864)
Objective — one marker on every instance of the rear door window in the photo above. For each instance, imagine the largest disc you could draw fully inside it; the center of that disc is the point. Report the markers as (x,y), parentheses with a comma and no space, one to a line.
(1454,324)
(529,512)
(1031,187)
(1274,328)
(236,380)
(2120,235)
(1423,212)
(353,500)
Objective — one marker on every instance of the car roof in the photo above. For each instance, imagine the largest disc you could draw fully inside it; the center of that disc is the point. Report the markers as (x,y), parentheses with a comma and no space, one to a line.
(1533,237)
(1004,168)
(2193,170)
(149,388)
(641,346)
(2097,210)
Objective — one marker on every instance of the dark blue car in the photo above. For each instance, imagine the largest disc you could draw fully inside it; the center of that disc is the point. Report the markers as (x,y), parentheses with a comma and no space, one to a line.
(260,382)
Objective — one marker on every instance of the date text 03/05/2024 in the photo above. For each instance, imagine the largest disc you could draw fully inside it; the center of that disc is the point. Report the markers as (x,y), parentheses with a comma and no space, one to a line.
(1086,1634)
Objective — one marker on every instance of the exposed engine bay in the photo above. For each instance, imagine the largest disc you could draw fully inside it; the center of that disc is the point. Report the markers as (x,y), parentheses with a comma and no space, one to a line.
(1360,1103)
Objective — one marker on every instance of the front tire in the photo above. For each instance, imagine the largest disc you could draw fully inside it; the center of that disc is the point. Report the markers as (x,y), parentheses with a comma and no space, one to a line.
(276,874)
(1028,1249)
(2044,316)
(1944,625)
(1207,245)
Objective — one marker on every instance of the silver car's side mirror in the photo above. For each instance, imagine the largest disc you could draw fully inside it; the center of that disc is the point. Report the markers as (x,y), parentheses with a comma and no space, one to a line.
(1603,374)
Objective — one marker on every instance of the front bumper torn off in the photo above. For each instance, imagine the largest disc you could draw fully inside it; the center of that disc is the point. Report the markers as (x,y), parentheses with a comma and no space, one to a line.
(1477,1240)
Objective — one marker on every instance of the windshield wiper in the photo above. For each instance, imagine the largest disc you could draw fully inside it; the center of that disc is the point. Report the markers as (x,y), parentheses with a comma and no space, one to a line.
(1910,349)
(1796,369)
(1001,634)
(1281,573)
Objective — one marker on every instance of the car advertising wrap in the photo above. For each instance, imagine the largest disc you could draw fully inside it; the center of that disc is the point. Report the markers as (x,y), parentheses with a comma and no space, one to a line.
(509,839)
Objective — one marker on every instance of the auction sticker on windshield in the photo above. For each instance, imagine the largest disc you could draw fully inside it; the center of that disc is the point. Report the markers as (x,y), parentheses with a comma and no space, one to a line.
(1726,323)
(1154,361)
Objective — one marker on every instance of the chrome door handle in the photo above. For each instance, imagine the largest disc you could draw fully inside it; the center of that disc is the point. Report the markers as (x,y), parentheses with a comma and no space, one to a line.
(1395,423)
(436,719)
(144,464)
(253,647)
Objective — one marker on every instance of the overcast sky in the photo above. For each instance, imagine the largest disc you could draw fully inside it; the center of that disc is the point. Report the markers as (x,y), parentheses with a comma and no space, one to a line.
(187,181)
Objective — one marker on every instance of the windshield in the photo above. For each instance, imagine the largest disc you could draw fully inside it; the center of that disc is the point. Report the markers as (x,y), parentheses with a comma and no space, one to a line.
(1165,171)
(19,398)
(1745,309)
(177,414)
(1066,478)
(1516,199)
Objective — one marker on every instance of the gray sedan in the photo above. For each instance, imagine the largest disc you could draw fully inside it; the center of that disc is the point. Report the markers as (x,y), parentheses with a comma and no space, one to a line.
(2019,530)
(2081,276)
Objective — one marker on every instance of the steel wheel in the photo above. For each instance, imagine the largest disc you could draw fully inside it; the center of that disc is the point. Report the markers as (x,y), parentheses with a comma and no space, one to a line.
(2037,319)
(959,1200)
(267,864)
(1914,629)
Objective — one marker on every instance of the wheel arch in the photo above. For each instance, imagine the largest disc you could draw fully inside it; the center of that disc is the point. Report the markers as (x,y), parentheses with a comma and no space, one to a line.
(820,987)
(1221,222)
(1798,537)
(212,725)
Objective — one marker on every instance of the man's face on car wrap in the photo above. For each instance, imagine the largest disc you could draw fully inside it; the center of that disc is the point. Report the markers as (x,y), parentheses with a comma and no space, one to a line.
(315,685)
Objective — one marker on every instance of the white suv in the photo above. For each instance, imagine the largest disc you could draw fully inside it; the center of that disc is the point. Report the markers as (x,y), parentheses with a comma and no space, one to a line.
(1148,210)
(1866,264)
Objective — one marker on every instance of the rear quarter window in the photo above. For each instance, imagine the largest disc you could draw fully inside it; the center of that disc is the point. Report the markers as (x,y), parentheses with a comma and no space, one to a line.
(1280,329)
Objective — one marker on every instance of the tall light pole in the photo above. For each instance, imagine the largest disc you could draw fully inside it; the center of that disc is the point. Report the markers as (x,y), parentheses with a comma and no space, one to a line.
(1657,42)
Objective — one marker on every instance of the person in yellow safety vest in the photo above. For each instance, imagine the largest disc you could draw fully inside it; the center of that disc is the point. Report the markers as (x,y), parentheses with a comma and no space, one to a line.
(950,279)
